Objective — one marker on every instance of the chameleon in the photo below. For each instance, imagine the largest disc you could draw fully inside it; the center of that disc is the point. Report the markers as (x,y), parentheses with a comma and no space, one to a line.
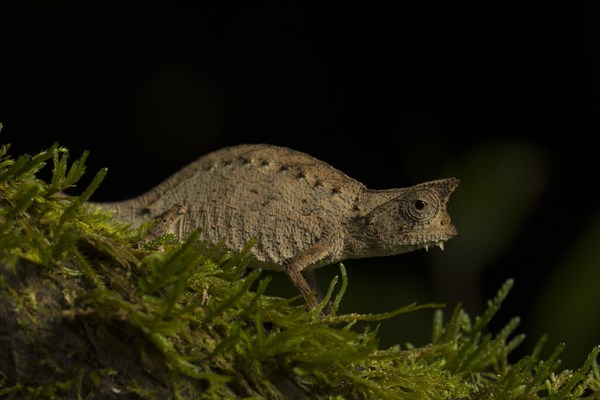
(303,213)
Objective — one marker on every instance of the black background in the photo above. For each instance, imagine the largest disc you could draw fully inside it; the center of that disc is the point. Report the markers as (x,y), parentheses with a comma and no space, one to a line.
(391,95)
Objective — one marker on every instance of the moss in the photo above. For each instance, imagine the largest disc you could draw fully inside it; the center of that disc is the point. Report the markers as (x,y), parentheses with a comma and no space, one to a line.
(85,314)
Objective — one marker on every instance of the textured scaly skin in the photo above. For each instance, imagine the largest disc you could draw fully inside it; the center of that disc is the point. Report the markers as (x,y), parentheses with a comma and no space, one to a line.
(303,212)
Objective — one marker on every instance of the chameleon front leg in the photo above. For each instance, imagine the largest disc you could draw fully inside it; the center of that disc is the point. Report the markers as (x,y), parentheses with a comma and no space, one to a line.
(300,283)
(294,267)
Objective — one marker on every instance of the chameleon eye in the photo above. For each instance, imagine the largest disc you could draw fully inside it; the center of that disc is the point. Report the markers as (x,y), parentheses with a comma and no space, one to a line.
(420,205)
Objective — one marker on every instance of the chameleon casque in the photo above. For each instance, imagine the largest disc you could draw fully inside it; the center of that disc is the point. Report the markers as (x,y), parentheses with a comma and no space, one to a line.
(303,212)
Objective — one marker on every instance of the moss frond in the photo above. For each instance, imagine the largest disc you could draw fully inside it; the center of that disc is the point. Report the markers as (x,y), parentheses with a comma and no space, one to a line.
(106,318)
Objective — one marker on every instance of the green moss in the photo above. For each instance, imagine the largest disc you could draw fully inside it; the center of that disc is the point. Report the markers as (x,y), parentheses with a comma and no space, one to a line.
(85,314)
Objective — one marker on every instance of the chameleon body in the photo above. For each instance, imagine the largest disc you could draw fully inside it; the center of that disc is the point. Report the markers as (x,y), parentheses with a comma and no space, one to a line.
(303,212)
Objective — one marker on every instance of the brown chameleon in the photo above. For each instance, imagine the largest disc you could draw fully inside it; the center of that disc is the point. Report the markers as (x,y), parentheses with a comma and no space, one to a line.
(303,212)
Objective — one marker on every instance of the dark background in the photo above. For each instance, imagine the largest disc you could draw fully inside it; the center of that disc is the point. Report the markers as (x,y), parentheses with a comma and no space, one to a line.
(497,94)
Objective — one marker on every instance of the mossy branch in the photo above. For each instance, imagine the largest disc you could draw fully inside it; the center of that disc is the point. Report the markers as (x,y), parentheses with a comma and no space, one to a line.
(184,321)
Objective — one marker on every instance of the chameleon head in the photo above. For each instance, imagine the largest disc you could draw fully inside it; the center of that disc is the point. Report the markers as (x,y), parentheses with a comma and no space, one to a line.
(416,218)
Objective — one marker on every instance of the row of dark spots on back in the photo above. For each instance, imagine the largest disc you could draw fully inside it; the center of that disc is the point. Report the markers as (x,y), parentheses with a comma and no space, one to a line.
(265,164)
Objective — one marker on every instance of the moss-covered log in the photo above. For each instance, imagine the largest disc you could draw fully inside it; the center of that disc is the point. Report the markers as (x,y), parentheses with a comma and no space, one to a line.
(86,314)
